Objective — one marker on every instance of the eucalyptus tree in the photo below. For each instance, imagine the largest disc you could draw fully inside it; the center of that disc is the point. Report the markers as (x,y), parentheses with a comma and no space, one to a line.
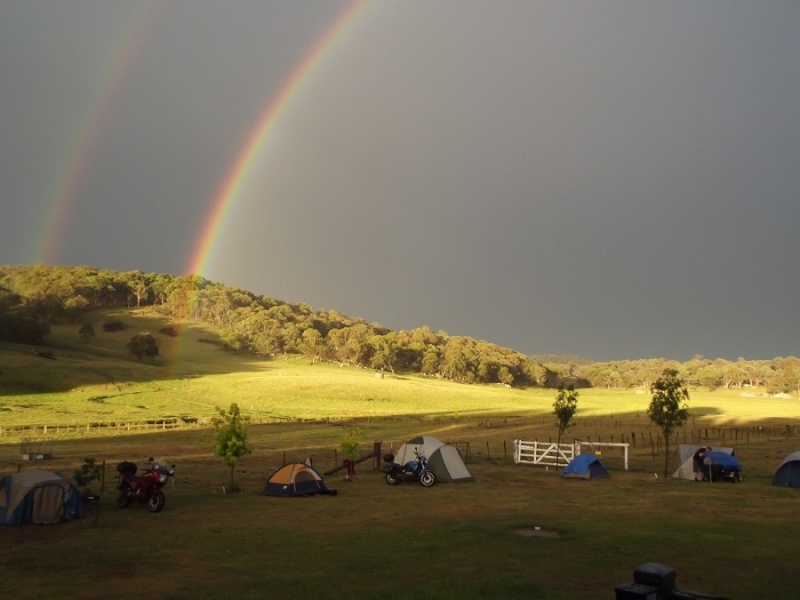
(312,344)
(429,365)
(384,351)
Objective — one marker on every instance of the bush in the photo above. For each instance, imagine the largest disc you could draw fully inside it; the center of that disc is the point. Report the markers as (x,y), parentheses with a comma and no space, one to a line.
(114,325)
(86,332)
(143,345)
(90,471)
(23,329)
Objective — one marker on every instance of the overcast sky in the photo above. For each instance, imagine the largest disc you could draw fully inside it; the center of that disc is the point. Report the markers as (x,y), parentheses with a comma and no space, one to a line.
(611,179)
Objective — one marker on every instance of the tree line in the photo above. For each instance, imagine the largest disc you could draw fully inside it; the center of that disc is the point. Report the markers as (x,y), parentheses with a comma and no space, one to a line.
(34,296)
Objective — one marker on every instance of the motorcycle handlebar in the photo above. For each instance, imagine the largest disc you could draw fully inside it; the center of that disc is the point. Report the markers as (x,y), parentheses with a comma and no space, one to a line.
(154,462)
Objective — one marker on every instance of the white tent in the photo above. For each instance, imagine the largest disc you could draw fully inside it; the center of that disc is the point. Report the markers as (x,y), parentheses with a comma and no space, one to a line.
(686,454)
(445,461)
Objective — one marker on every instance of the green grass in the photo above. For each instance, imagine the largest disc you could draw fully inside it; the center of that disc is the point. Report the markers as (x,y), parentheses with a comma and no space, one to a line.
(373,540)
(450,541)
(101,382)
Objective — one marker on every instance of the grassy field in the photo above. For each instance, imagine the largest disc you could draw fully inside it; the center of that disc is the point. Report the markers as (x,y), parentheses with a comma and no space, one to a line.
(373,540)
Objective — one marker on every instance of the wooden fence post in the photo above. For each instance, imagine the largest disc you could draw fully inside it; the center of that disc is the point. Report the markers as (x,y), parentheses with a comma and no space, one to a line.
(377,461)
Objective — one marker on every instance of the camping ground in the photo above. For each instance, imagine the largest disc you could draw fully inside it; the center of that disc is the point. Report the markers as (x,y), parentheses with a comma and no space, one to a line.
(450,541)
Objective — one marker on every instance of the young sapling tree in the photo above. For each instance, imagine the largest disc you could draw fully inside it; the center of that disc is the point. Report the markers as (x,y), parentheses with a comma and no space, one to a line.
(231,438)
(564,408)
(89,472)
(669,408)
(349,446)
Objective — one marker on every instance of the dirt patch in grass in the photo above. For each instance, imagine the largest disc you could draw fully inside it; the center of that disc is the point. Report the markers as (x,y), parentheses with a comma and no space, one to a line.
(537,531)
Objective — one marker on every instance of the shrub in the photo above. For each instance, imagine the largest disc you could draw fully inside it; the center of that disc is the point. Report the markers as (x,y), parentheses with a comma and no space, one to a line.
(23,329)
(113,325)
(143,345)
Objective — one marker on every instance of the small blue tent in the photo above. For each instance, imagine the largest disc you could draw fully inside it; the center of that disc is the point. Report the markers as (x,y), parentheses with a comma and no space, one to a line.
(38,497)
(788,472)
(585,466)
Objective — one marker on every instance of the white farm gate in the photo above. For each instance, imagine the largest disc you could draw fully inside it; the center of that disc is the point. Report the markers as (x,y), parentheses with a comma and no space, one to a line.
(556,455)
(594,445)
(543,453)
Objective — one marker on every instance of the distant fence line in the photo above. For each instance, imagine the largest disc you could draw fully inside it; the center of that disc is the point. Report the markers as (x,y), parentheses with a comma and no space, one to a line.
(649,437)
(699,436)
(152,425)
(116,427)
(68,428)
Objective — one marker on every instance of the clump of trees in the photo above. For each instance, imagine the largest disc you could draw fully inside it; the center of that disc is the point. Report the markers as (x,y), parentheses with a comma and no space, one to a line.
(32,297)
(778,375)
(266,326)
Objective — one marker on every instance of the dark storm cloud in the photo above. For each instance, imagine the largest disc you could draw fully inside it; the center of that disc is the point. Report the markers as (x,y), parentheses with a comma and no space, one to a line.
(609,179)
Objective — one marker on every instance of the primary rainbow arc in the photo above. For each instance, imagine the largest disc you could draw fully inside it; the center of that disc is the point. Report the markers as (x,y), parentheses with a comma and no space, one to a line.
(247,157)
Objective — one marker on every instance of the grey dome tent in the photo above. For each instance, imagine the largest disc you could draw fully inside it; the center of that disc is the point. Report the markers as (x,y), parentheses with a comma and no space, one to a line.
(788,472)
(444,460)
(40,497)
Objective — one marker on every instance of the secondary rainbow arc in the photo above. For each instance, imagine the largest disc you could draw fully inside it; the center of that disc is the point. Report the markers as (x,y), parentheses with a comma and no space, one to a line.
(81,150)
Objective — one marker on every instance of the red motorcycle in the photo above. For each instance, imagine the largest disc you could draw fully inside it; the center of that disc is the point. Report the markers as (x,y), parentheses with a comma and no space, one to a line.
(145,488)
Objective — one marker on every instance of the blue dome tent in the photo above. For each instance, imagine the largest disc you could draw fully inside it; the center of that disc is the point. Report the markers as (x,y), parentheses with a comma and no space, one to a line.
(788,472)
(585,466)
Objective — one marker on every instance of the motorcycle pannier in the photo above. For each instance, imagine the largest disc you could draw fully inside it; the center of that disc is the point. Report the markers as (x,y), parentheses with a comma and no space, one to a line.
(126,468)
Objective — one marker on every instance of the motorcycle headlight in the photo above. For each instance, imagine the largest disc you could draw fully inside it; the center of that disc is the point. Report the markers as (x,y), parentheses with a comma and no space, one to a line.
(163,478)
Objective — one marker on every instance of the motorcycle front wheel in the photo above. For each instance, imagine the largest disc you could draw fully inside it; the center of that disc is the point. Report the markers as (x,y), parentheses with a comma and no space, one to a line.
(122,499)
(427,479)
(392,479)
(156,502)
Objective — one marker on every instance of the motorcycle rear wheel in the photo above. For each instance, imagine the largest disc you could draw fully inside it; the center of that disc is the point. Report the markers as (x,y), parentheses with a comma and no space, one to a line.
(156,502)
(122,499)
(427,479)
(392,479)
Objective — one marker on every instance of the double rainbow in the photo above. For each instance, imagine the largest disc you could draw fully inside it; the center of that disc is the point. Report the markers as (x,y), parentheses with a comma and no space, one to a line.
(72,175)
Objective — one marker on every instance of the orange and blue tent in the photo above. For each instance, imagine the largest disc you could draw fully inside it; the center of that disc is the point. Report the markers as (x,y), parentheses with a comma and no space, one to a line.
(296,479)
